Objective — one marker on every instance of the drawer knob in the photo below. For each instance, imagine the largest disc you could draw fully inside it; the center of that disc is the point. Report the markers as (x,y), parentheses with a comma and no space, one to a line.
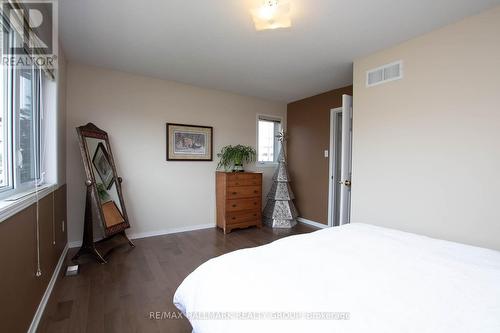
(255,191)
(254,214)
(234,193)
(234,205)
(234,218)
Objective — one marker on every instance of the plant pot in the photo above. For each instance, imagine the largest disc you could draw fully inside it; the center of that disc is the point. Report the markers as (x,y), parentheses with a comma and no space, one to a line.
(238,168)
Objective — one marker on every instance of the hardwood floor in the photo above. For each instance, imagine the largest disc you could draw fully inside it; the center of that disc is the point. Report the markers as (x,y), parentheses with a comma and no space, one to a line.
(119,296)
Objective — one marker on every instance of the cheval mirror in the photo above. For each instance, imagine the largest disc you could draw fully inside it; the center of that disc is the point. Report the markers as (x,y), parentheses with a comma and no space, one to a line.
(105,214)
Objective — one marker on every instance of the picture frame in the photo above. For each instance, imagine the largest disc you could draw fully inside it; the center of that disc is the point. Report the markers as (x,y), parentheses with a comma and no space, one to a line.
(189,143)
(102,165)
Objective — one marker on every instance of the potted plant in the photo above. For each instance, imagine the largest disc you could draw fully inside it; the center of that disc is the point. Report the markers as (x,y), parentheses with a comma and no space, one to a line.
(234,157)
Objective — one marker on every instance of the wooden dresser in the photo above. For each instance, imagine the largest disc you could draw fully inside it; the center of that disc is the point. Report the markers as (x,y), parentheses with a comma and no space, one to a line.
(239,200)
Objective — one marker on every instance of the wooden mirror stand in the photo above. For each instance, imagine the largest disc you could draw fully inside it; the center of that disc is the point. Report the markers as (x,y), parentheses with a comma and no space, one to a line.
(104,205)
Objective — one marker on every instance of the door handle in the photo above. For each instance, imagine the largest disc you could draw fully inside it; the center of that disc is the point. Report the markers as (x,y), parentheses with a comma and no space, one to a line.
(346,183)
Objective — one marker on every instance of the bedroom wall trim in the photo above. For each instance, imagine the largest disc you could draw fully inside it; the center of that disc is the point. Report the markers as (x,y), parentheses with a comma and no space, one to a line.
(157,233)
(43,303)
(312,223)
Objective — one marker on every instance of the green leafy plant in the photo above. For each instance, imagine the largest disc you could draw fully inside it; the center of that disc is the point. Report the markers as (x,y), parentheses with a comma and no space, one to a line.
(102,192)
(234,157)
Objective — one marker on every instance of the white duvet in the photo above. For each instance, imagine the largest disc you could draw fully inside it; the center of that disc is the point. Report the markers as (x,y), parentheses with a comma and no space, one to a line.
(365,278)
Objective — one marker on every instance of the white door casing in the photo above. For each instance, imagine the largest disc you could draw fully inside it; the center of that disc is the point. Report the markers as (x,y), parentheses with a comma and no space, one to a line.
(334,160)
(346,167)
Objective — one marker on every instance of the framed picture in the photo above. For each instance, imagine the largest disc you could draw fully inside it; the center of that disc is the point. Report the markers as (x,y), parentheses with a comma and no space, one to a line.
(102,166)
(189,142)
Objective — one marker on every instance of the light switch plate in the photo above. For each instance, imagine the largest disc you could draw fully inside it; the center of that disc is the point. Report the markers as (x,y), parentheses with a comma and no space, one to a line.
(326,153)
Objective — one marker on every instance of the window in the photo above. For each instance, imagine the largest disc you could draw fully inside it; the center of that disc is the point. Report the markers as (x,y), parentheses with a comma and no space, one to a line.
(3,130)
(19,125)
(268,145)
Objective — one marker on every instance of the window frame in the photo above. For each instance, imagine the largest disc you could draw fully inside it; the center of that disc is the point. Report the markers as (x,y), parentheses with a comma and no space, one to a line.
(7,120)
(277,144)
(19,186)
(11,124)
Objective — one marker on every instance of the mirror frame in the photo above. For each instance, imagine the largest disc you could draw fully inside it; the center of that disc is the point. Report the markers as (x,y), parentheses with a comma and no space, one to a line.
(92,131)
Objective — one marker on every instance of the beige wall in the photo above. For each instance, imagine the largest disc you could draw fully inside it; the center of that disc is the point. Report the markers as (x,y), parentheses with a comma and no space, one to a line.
(426,153)
(160,195)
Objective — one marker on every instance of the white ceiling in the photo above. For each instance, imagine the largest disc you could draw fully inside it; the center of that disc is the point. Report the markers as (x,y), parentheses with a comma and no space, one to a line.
(213,43)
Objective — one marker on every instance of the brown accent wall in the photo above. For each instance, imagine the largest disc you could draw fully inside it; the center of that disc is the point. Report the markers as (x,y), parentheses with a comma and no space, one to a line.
(308,125)
(20,290)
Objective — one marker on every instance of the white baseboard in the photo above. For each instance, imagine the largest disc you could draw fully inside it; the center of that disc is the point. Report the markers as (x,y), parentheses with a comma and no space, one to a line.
(312,223)
(48,291)
(157,233)
(171,231)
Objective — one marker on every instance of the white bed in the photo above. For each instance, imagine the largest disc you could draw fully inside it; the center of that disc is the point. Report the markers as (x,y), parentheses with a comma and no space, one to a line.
(385,280)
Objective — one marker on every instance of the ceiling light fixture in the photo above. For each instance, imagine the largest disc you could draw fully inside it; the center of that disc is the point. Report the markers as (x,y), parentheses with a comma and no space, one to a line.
(272,14)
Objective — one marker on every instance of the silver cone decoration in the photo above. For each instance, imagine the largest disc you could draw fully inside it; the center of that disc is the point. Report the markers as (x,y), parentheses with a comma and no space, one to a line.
(281,174)
(280,191)
(280,212)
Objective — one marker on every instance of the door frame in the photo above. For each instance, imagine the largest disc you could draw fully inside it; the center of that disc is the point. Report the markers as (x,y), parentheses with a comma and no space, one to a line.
(332,174)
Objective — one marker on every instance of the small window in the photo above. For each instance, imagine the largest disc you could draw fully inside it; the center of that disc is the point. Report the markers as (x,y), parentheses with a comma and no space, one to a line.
(20,125)
(4,147)
(27,125)
(268,145)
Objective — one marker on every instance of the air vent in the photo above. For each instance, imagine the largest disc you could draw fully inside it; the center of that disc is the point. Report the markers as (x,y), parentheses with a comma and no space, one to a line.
(383,74)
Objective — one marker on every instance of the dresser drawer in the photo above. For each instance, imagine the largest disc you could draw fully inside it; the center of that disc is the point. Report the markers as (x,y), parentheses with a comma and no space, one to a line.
(235,176)
(246,216)
(243,204)
(251,181)
(243,192)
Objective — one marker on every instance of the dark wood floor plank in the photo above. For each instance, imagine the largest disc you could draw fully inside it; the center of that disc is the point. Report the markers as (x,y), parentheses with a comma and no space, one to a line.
(120,295)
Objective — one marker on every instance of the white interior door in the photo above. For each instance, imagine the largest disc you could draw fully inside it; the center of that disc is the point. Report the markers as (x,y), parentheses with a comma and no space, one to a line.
(346,161)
